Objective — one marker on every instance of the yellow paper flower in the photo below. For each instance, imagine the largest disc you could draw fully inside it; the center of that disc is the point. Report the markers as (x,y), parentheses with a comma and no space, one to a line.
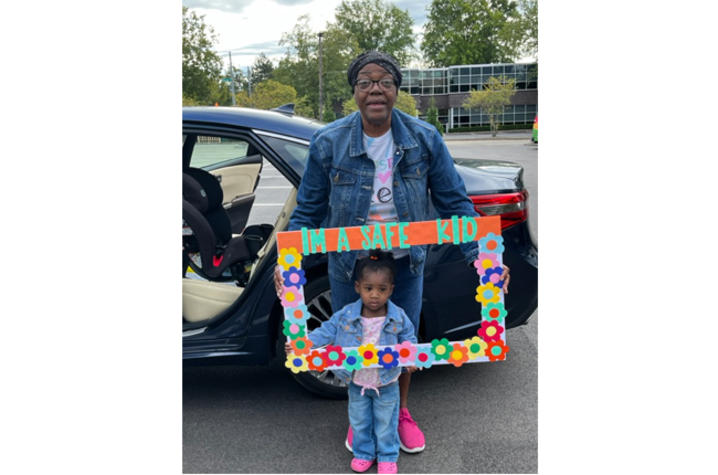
(296,363)
(476,347)
(369,353)
(289,258)
(487,293)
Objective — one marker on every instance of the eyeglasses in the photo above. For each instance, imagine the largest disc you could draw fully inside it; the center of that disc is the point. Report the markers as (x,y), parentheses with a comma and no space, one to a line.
(366,84)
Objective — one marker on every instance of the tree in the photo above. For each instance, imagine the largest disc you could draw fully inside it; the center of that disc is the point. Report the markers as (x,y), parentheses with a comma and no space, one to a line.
(261,70)
(201,67)
(496,94)
(432,116)
(404,102)
(529,27)
(472,32)
(267,95)
(300,66)
(376,25)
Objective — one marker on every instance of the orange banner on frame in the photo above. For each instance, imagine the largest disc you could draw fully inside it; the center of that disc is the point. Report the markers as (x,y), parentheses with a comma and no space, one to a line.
(388,236)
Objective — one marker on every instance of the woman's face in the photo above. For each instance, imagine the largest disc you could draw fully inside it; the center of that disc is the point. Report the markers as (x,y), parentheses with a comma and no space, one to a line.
(375,103)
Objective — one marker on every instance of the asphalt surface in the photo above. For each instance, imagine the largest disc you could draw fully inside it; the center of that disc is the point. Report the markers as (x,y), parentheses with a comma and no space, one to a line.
(480,418)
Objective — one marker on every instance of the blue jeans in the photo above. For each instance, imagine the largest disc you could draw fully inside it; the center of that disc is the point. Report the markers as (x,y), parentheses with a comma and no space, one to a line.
(375,421)
(407,294)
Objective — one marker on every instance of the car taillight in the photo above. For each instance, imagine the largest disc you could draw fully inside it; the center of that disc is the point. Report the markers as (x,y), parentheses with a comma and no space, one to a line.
(511,207)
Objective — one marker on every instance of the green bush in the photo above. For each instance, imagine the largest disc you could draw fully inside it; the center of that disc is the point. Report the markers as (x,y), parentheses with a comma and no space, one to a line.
(481,128)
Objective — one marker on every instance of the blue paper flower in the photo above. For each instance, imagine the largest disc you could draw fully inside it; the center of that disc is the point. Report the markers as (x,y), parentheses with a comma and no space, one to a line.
(294,277)
(388,358)
(493,275)
(424,358)
(491,243)
(298,314)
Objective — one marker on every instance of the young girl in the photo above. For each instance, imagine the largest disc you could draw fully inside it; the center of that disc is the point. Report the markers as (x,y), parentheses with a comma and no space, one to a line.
(373,392)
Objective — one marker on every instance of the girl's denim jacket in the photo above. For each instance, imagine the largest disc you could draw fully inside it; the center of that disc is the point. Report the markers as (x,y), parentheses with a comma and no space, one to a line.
(344,329)
(337,185)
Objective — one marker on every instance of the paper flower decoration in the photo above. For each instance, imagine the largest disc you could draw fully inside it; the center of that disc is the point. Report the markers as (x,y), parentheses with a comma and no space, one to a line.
(353,361)
(497,351)
(424,358)
(316,361)
(407,352)
(493,311)
(485,261)
(493,275)
(294,277)
(334,355)
(368,353)
(292,297)
(301,345)
(458,355)
(388,358)
(491,243)
(476,346)
(296,363)
(292,330)
(487,293)
(490,330)
(289,258)
(441,348)
(298,314)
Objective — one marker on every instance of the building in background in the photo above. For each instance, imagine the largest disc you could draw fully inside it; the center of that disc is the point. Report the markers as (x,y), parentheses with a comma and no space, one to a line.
(450,86)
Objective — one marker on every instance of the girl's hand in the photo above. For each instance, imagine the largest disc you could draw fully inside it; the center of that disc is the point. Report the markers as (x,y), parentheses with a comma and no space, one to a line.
(411,369)
(506,278)
(278,281)
(288,348)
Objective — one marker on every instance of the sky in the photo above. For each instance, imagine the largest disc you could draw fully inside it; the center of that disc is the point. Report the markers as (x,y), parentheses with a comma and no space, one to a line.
(249,27)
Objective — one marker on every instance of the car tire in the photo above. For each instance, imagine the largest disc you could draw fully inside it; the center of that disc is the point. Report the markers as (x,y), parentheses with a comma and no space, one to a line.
(317,296)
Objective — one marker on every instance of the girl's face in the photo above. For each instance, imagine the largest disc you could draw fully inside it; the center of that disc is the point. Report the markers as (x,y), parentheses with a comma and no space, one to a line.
(374,288)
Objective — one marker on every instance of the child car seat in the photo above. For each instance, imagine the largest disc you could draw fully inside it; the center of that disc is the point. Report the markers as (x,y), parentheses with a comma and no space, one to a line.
(207,231)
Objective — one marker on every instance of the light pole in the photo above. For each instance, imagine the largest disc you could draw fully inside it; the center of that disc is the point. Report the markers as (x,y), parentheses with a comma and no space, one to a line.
(321,80)
(231,77)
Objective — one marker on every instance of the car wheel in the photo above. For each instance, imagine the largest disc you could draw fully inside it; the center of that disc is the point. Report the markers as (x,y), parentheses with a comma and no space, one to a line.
(317,296)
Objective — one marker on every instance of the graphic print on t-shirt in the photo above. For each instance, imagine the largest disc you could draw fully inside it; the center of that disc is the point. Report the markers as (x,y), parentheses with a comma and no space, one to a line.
(381,151)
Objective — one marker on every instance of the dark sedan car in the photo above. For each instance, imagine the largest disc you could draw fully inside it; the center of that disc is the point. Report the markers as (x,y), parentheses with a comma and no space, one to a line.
(250,162)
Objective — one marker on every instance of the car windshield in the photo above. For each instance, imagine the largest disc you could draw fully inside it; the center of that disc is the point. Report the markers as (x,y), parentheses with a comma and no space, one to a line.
(294,153)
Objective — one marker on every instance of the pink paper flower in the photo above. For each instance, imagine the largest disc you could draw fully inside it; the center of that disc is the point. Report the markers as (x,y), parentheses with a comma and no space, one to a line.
(407,352)
(485,261)
(292,297)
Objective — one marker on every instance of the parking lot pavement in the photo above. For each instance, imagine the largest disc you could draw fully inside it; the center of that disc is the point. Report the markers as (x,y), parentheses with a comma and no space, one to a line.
(480,418)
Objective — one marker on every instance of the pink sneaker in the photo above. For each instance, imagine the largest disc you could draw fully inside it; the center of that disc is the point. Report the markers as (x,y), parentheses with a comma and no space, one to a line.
(361,465)
(386,467)
(411,439)
(348,441)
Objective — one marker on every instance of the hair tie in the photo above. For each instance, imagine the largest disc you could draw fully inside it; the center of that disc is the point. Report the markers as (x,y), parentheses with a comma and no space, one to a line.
(374,258)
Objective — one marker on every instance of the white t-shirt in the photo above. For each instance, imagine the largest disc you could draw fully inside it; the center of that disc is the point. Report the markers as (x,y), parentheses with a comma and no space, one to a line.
(381,151)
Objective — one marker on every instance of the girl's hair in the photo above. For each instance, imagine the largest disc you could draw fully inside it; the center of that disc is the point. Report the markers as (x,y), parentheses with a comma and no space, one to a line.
(375,261)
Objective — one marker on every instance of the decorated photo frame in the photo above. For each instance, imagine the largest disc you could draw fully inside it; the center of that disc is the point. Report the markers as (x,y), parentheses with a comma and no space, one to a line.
(487,346)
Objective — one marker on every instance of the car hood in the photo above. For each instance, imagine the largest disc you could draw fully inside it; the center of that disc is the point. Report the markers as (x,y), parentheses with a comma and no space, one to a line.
(489,176)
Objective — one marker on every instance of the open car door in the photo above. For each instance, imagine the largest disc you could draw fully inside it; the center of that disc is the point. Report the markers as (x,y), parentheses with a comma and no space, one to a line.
(237,165)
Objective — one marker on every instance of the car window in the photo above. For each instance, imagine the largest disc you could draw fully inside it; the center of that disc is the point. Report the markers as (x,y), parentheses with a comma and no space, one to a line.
(294,154)
(212,150)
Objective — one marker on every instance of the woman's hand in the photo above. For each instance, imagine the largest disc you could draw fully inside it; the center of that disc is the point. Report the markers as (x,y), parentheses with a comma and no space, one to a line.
(506,278)
(278,281)
(288,348)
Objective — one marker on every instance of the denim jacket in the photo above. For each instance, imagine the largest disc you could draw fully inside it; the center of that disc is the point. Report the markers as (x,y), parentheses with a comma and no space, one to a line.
(345,329)
(338,181)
